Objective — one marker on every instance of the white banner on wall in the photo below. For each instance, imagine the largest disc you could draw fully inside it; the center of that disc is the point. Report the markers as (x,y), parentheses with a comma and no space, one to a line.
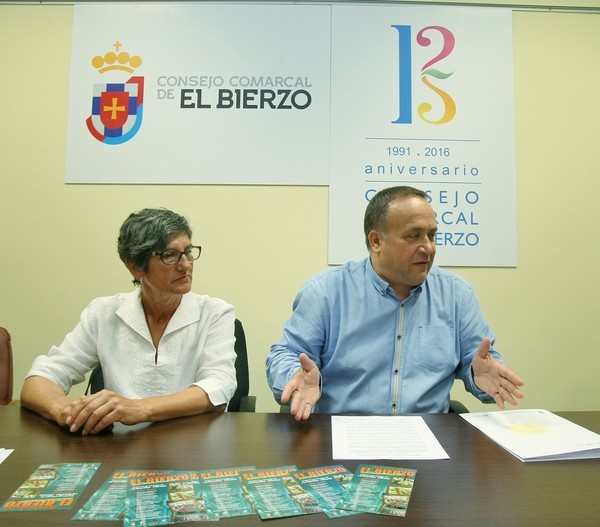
(423,96)
(199,93)
(358,97)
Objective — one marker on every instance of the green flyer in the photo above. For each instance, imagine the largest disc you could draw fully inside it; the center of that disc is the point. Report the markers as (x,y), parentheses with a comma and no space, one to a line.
(276,494)
(379,490)
(51,487)
(108,502)
(326,485)
(163,499)
(224,493)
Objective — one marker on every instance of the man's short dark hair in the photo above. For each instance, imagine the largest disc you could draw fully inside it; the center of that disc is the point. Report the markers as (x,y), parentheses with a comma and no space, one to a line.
(376,213)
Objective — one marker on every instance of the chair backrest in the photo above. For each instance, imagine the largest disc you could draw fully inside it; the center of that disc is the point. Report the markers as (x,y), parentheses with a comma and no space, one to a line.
(96,382)
(239,401)
(6,368)
(456,407)
(241,368)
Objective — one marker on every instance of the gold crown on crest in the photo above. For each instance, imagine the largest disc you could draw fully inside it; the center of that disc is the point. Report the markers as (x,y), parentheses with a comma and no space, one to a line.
(116,60)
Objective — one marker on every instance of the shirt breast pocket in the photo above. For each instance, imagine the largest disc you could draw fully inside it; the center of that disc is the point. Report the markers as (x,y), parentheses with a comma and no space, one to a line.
(436,348)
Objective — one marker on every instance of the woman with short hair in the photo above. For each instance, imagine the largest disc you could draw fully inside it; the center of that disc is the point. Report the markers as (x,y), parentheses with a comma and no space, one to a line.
(165,352)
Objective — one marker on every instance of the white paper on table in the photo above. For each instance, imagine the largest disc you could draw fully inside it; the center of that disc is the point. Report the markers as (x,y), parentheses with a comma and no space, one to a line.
(384,437)
(4,453)
(536,435)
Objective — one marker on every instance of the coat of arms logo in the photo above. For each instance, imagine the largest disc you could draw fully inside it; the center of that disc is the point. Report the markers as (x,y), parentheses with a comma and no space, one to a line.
(117,107)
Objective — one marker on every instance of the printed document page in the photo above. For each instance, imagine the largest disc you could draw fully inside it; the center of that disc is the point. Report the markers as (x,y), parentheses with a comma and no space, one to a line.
(536,435)
(384,437)
(4,453)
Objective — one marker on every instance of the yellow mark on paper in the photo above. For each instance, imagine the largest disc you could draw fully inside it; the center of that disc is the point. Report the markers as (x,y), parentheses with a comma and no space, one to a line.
(527,429)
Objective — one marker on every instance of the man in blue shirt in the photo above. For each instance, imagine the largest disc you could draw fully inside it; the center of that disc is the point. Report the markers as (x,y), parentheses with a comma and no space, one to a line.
(389,334)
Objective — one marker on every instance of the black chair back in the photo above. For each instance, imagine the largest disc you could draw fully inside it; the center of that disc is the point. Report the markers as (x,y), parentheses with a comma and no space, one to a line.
(241,368)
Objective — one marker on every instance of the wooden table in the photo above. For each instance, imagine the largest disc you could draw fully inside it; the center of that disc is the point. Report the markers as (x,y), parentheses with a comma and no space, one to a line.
(480,485)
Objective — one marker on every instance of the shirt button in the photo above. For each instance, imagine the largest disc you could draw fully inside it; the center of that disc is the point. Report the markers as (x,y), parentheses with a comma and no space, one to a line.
(395,372)
(399,337)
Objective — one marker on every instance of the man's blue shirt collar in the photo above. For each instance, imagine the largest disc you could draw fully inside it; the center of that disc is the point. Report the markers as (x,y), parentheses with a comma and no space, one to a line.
(384,287)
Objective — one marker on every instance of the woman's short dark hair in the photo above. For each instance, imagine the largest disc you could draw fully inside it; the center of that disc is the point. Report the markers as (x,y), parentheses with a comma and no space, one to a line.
(146,231)
(376,213)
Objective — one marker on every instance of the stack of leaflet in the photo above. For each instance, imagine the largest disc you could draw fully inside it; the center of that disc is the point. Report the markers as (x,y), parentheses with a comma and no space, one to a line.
(536,435)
